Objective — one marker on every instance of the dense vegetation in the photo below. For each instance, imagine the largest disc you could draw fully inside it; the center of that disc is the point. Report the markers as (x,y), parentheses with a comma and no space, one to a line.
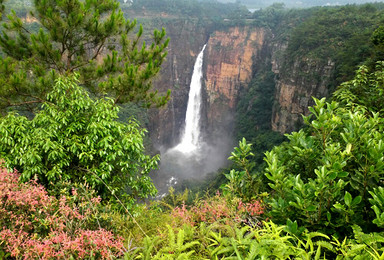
(188,8)
(77,139)
(323,198)
(329,174)
(342,34)
(253,115)
(75,173)
(346,35)
(296,4)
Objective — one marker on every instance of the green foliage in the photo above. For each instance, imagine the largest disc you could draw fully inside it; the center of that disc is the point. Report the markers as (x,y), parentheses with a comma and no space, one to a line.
(1,9)
(212,10)
(254,109)
(270,241)
(253,114)
(378,205)
(377,39)
(175,247)
(365,91)
(243,184)
(341,33)
(323,176)
(75,138)
(270,16)
(90,37)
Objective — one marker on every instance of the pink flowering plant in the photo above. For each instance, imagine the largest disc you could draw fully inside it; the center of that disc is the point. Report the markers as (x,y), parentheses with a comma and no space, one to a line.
(219,209)
(36,225)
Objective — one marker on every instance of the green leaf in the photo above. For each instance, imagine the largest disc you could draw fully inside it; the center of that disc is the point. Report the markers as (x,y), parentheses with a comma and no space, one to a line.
(311,208)
(356,200)
(333,175)
(342,174)
(348,198)
(348,148)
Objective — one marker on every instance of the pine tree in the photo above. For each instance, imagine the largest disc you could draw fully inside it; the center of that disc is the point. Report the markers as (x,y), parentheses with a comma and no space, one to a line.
(90,37)
(1,9)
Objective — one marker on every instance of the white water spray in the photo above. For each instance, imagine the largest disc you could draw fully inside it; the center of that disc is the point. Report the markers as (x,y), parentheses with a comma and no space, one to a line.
(192,158)
(191,137)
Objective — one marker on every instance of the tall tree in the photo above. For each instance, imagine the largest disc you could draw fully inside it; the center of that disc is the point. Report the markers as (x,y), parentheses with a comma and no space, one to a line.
(91,37)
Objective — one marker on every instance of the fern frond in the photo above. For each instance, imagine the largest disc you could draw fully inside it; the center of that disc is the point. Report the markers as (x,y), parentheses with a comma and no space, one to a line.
(188,245)
(325,244)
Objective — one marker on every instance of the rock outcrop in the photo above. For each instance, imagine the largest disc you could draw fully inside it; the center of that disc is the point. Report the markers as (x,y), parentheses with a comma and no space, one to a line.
(230,60)
(294,91)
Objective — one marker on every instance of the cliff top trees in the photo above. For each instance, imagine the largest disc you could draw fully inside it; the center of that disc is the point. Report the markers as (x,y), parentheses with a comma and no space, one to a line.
(89,37)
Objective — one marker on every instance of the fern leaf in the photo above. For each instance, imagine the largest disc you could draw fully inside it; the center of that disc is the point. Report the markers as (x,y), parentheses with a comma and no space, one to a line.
(180,238)
(325,244)
(188,246)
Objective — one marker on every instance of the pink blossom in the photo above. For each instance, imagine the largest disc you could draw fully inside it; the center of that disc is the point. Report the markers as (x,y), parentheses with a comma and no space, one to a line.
(38,226)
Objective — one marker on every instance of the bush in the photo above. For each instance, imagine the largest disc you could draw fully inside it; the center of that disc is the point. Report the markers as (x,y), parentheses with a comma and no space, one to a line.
(325,175)
(36,225)
(74,138)
(219,209)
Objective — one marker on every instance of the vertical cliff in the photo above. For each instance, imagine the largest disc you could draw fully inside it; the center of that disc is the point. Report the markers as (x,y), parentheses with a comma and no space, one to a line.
(230,61)
(228,65)
(232,58)
(296,84)
(187,38)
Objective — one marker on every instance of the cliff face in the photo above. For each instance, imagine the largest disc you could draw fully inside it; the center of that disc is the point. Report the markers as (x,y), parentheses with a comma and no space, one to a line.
(187,38)
(294,90)
(228,62)
(229,59)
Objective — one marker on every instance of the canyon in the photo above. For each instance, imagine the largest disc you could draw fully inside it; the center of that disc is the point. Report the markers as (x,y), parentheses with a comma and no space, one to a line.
(234,55)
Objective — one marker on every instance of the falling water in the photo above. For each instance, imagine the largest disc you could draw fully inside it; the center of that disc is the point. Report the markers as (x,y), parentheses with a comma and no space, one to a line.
(190,139)
(192,158)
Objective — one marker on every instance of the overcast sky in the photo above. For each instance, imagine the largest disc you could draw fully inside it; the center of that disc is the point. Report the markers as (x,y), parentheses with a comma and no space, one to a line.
(298,3)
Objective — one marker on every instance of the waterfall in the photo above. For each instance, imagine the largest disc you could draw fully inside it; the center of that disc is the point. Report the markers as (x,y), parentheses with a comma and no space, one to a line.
(192,158)
(191,136)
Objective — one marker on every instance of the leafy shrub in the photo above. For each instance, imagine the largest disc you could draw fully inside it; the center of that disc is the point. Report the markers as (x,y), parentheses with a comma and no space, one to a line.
(324,176)
(244,182)
(76,138)
(36,225)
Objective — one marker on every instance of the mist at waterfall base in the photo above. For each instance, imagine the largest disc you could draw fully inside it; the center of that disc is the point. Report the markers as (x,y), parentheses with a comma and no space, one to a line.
(193,157)
(176,166)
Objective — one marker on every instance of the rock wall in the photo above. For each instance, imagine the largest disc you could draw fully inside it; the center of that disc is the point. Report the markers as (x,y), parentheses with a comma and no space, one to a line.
(230,61)
(228,65)
(295,87)
(186,40)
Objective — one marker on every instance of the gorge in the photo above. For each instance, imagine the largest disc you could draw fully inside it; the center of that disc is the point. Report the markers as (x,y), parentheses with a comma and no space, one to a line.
(261,57)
